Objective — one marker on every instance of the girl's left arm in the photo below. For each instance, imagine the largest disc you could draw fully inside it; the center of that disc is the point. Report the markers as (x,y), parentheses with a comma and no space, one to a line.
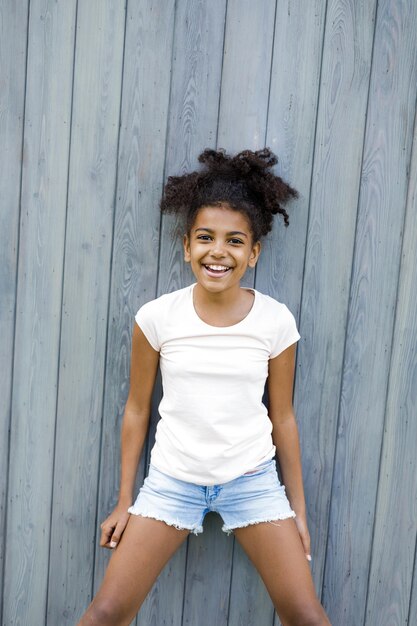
(285,436)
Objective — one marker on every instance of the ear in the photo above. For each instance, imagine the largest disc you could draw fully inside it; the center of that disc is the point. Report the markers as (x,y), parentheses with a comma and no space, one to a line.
(187,252)
(254,255)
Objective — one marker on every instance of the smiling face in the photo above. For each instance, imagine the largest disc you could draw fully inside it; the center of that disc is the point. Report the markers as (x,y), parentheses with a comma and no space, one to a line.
(220,248)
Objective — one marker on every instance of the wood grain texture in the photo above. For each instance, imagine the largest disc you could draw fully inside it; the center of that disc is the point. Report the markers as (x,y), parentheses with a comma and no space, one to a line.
(293,100)
(94,137)
(146,80)
(193,110)
(396,512)
(373,293)
(248,50)
(207,585)
(180,76)
(347,52)
(38,309)
(193,114)
(246,74)
(13,40)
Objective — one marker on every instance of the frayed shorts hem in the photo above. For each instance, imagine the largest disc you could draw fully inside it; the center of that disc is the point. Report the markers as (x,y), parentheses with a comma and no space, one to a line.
(282,516)
(196,529)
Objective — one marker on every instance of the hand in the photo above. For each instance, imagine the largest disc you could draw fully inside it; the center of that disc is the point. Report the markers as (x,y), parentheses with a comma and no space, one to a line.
(113,527)
(301,523)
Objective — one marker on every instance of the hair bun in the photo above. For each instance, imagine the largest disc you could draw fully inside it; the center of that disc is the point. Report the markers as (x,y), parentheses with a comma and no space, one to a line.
(245,162)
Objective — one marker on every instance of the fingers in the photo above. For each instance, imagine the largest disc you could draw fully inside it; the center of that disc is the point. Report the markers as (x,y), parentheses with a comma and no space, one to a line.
(305,538)
(111,531)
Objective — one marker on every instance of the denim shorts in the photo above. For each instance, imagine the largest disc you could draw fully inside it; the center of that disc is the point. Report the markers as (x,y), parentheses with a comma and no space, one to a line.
(254,497)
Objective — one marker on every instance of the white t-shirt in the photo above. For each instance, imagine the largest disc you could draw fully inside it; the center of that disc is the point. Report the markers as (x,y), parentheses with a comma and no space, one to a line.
(214,426)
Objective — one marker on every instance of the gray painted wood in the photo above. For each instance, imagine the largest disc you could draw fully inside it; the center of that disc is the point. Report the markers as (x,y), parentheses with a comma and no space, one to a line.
(94,137)
(248,52)
(13,30)
(196,74)
(181,76)
(38,309)
(329,249)
(387,149)
(141,156)
(396,511)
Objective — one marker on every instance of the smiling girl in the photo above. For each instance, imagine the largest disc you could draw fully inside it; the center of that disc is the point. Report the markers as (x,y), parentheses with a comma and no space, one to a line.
(216,343)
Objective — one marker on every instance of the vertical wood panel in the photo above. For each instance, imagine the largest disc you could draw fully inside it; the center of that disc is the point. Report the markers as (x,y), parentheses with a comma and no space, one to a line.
(13,39)
(145,94)
(95,125)
(394,537)
(369,334)
(199,74)
(246,74)
(42,232)
(242,124)
(193,111)
(295,79)
(329,248)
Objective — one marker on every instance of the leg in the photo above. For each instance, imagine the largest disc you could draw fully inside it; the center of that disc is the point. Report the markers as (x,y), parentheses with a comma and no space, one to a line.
(145,547)
(276,550)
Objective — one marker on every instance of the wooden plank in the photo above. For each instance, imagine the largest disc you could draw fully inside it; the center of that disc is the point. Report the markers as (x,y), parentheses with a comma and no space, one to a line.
(242,124)
(290,134)
(42,232)
(292,112)
(347,51)
(394,539)
(196,74)
(95,127)
(373,294)
(13,40)
(209,561)
(246,74)
(146,80)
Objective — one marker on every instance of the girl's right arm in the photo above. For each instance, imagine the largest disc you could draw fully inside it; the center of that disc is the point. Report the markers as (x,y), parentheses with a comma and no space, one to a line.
(143,369)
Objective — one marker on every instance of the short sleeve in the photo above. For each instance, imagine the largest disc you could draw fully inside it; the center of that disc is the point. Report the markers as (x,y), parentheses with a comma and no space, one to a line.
(287,332)
(147,320)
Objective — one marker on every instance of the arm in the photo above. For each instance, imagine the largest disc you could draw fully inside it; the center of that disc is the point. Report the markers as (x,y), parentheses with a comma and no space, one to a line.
(285,436)
(143,369)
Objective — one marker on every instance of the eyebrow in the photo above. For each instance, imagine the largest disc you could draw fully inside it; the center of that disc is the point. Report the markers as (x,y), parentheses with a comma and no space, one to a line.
(233,232)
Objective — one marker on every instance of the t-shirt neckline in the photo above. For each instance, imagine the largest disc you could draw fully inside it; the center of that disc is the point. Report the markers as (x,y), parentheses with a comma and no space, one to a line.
(245,319)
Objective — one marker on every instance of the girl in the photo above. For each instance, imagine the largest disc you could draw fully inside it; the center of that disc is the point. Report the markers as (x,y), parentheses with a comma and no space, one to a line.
(216,343)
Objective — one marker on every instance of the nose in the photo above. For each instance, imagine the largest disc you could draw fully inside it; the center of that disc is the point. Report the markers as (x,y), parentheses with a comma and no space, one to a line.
(217,249)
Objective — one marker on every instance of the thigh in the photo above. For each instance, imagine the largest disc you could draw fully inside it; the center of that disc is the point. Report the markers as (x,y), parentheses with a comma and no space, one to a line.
(145,547)
(276,550)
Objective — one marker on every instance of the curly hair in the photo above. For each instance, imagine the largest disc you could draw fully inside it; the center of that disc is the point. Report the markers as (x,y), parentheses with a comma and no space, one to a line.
(242,182)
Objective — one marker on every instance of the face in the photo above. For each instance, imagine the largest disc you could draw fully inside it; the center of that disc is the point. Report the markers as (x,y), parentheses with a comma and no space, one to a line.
(220,248)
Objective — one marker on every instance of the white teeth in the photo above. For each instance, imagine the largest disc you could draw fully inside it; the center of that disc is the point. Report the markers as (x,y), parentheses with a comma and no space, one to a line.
(217,268)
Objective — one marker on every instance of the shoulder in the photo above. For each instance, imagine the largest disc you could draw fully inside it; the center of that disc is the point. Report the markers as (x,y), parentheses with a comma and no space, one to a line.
(165,301)
(278,324)
(273,307)
(153,315)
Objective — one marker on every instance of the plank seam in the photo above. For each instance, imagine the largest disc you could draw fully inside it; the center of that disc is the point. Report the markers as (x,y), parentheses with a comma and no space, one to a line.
(108,306)
(60,326)
(255,272)
(231,578)
(9,435)
(167,129)
(311,179)
(400,264)
(312,169)
(221,75)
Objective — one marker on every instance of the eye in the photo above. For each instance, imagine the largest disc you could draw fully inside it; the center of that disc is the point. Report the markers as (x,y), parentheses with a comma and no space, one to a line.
(204,237)
(235,241)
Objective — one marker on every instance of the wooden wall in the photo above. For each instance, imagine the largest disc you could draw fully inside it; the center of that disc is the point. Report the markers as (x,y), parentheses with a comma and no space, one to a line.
(100,101)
